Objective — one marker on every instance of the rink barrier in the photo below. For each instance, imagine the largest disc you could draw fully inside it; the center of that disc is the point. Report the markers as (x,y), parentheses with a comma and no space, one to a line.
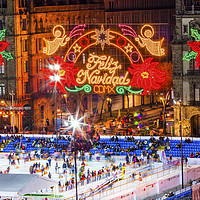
(100,177)
(159,174)
(120,185)
(128,181)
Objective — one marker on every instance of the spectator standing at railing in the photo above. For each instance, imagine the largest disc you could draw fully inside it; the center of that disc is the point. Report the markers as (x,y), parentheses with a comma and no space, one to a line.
(148,158)
(127,159)
(170,157)
(186,161)
(56,168)
(90,156)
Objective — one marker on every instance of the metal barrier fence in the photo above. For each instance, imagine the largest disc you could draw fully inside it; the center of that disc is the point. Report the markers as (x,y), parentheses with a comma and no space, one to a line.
(129,182)
(96,178)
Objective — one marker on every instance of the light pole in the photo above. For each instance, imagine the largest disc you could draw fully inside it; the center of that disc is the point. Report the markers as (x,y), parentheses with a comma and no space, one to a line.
(56,78)
(109,102)
(56,115)
(164,114)
(180,131)
(13,123)
(76,144)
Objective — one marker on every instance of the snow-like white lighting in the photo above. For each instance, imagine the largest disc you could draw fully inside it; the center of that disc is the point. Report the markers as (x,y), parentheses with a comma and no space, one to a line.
(57,77)
(76,123)
(51,67)
(66,123)
(51,77)
(57,67)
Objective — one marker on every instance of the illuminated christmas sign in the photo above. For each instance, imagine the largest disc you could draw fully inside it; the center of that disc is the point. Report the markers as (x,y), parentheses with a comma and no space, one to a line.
(102,72)
(195,45)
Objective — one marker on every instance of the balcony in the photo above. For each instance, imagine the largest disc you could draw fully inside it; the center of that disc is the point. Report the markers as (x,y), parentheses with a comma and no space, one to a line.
(194,103)
(190,8)
(193,72)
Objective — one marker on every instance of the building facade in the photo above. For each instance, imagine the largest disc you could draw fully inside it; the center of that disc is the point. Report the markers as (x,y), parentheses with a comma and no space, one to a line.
(8,69)
(160,15)
(29,21)
(186,80)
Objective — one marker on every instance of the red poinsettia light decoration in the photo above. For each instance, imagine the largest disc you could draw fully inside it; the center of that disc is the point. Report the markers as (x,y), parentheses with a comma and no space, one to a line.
(3,46)
(196,48)
(60,73)
(145,75)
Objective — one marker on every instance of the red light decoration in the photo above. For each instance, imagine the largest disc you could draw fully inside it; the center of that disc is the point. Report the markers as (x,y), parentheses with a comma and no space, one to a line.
(3,46)
(146,75)
(81,42)
(196,48)
(119,41)
(66,72)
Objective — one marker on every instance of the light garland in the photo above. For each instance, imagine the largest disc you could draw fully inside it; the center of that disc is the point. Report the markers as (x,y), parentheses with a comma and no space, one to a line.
(100,74)
(144,40)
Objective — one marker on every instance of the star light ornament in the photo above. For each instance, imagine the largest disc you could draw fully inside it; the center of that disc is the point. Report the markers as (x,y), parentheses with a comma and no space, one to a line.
(128,48)
(102,37)
(77,48)
(76,123)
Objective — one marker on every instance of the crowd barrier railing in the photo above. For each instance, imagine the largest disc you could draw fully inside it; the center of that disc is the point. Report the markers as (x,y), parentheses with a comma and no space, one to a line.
(105,175)
(129,182)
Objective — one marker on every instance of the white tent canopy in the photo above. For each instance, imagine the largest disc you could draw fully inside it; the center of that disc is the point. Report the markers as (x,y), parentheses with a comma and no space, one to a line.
(21,184)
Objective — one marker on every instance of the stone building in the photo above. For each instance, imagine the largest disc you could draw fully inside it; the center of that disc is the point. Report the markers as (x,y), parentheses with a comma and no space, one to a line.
(159,14)
(7,71)
(29,21)
(186,80)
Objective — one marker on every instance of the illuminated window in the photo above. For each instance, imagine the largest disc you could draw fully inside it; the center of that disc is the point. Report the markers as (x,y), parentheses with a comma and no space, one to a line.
(2,69)
(25,45)
(25,66)
(2,89)
(40,64)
